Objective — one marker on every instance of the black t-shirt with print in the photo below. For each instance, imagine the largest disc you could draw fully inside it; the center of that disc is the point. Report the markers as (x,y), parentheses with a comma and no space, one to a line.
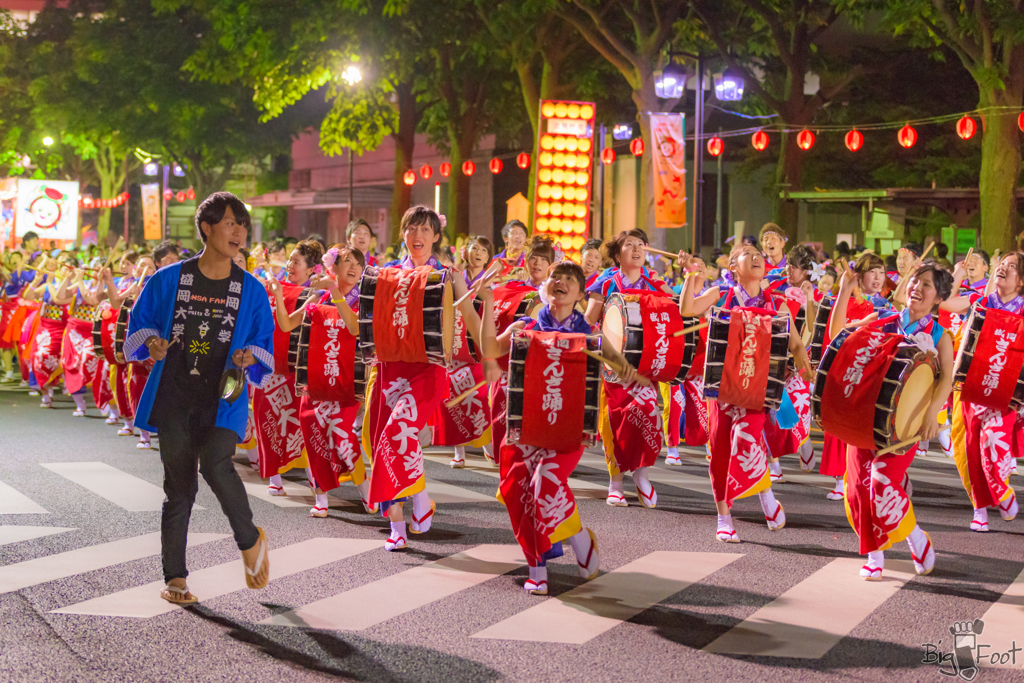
(190,382)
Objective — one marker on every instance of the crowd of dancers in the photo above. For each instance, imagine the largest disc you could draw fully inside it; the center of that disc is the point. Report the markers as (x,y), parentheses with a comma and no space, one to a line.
(355,364)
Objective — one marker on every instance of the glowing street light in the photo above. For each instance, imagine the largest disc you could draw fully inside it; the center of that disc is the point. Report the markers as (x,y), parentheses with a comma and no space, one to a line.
(670,82)
(47,141)
(351,74)
(729,86)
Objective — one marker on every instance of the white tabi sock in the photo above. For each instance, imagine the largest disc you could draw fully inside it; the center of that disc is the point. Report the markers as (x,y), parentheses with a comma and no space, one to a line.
(144,436)
(539,574)
(616,487)
(673,453)
(275,480)
(130,423)
(917,540)
(420,503)
(398,529)
(840,487)
(113,411)
(321,501)
(364,490)
(775,468)
(460,453)
(254,456)
(980,515)
(79,401)
(876,559)
(768,503)
(725,523)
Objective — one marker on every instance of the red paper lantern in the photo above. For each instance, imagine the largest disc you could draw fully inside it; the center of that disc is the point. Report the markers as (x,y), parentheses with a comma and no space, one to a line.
(190,194)
(907,136)
(966,128)
(716,146)
(168,195)
(410,177)
(854,140)
(495,166)
(523,160)
(759,140)
(805,139)
(180,196)
(607,156)
(468,168)
(446,169)
(426,171)
(1020,121)
(637,147)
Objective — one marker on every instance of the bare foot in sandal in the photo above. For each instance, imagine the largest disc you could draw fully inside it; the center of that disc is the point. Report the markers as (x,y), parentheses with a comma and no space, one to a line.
(176,591)
(257,563)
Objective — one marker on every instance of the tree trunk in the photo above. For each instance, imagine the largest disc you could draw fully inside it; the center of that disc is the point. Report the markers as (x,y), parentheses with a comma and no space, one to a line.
(788,178)
(405,144)
(646,100)
(458,185)
(1000,168)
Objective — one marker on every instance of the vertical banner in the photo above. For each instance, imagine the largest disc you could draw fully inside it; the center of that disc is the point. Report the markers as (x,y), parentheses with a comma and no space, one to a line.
(565,158)
(48,208)
(669,154)
(151,211)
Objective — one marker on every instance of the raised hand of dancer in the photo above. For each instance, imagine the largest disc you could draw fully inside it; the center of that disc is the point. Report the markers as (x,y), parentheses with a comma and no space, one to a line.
(157,348)
(243,358)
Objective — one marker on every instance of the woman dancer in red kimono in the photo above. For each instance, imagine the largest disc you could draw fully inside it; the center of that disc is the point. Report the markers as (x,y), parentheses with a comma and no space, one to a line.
(534,481)
(631,427)
(467,423)
(333,423)
(857,300)
(877,504)
(404,396)
(53,319)
(507,299)
(739,462)
(984,443)
(275,405)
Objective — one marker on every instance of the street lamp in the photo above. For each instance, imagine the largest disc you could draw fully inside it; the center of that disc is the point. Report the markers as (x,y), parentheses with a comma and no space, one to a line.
(47,141)
(670,82)
(151,168)
(351,74)
(729,85)
(622,131)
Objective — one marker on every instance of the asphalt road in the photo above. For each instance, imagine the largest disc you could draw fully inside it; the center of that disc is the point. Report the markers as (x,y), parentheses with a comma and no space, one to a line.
(77,520)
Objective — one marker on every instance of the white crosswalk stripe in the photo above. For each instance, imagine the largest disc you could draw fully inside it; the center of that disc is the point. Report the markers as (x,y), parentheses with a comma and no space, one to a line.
(1004,626)
(597,606)
(13,502)
(14,577)
(373,603)
(811,617)
(144,602)
(119,487)
(17,534)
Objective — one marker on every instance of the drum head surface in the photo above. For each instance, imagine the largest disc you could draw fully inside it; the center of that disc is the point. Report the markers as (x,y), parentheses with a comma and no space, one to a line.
(614,325)
(447,320)
(914,399)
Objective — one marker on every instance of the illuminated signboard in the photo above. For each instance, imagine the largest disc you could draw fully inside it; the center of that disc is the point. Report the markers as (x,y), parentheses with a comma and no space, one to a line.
(565,156)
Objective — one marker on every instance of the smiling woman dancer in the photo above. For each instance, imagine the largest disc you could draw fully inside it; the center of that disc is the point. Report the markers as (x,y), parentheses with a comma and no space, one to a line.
(534,481)
(197,319)
(858,298)
(739,465)
(984,462)
(630,418)
(406,394)
(877,504)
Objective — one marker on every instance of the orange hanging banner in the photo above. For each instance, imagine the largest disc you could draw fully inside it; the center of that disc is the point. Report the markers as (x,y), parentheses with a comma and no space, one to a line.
(151,211)
(668,153)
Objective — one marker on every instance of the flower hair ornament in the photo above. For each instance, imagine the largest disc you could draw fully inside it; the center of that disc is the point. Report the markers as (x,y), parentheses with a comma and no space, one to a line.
(817,272)
(330,258)
(441,219)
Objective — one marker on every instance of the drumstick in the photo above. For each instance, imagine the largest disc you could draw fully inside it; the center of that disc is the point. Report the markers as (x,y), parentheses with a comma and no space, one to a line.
(110,256)
(663,253)
(464,395)
(929,248)
(898,446)
(615,367)
(691,328)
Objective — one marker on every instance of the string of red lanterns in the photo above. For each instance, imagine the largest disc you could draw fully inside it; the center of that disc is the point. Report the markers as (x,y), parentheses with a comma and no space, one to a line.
(90,203)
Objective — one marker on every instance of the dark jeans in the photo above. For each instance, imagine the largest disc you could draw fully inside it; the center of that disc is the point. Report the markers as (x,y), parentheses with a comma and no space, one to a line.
(182,446)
